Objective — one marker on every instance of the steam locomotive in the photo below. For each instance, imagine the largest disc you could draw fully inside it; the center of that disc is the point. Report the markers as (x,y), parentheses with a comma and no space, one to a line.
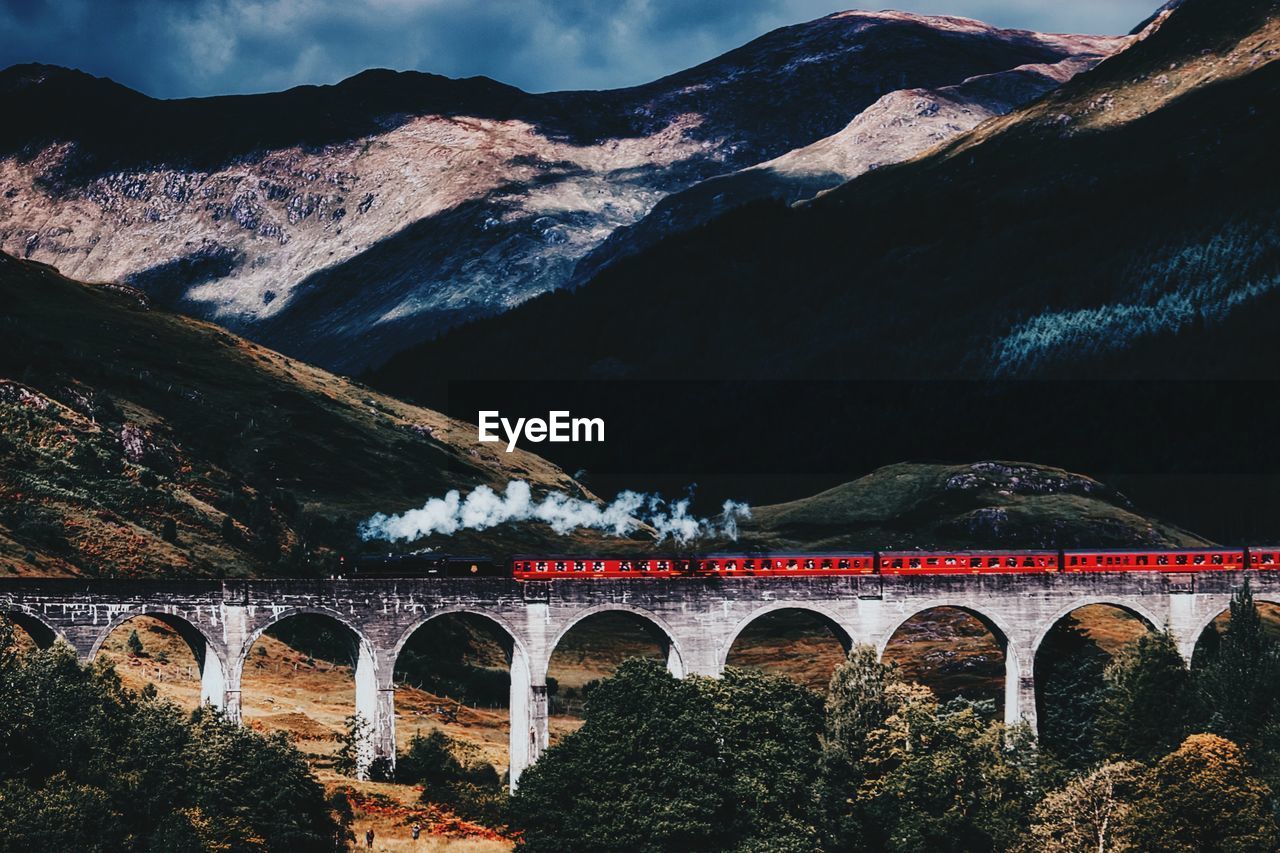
(544,568)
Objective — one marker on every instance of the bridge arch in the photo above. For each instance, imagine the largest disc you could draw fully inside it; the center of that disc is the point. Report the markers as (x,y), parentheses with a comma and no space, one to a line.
(211,662)
(824,615)
(518,645)
(655,626)
(352,631)
(1192,642)
(372,683)
(996,626)
(527,735)
(1019,684)
(1132,608)
(41,632)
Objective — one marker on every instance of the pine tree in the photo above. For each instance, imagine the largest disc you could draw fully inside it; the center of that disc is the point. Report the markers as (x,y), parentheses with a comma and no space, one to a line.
(134,644)
(1238,678)
(1069,676)
(1148,701)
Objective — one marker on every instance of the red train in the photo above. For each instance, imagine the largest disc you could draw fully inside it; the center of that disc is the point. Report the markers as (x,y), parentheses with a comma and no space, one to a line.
(1041,561)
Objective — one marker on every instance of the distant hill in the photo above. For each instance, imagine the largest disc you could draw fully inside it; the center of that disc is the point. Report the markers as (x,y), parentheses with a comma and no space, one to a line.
(139,442)
(982,505)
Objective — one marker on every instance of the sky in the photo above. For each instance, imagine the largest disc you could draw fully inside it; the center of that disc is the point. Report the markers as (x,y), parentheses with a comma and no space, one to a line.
(182,48)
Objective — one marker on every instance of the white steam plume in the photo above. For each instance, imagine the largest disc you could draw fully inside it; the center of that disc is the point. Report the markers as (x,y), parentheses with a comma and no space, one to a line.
(484,508)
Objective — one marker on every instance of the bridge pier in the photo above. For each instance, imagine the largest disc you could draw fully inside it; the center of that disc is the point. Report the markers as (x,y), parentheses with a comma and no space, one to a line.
(529,732)
(1019,686)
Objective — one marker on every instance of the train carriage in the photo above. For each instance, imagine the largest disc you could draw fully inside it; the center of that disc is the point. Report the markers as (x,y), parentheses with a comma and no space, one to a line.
(967,562)
(746,565)
(1164,560)
(1264,557)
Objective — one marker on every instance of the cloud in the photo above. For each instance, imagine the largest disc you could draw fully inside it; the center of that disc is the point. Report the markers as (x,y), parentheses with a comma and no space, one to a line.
(175,48)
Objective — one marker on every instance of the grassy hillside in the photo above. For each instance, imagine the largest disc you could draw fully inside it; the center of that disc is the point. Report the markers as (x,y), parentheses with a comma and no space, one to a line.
(983,505)
(138,442)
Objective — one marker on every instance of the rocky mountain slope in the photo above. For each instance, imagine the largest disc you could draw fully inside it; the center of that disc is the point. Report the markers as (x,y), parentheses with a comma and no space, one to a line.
(895,128)
(339,224)
(137,442)
(1124,225)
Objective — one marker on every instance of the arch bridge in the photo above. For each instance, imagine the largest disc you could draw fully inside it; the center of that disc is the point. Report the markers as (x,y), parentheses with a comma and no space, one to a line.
(696,619)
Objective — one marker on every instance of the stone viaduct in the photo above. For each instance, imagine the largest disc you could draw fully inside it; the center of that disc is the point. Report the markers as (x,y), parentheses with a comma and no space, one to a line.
(696,619)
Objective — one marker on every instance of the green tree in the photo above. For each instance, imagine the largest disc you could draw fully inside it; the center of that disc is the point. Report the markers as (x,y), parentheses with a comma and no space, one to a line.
(678,764)
(451,774)
(356,735)
(1092,812)
(134,644)
(1069,681)
(946,778)
(1204,798)
(1148,701)
(1238,676)
(88,765)
(859,700)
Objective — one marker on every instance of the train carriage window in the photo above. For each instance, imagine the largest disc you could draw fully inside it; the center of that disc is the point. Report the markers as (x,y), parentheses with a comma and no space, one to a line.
(663,565)
(1162,560)
(843,564)
(810,564)
(766,565)
(897,563)
(542,566)
(579,566)
(644,565)
(826,564)
(748,565)
(1268,559)
(1181,559)
(1199,560)
(1218,559)
(624,566)
(560,566)
(931,561)
(731,565)
(1142,559)
(597,566)
(914,563)
(950,561)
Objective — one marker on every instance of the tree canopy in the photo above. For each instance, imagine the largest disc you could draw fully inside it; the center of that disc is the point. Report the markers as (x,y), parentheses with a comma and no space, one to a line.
(679,764)
(90,766)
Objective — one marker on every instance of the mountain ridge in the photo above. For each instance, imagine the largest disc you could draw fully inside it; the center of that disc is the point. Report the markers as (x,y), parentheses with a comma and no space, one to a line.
(340,224)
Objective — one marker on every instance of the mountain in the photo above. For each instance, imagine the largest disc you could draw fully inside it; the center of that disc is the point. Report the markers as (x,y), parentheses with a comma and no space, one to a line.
(138,442)
(339,224)
(895,128)
(1121,226)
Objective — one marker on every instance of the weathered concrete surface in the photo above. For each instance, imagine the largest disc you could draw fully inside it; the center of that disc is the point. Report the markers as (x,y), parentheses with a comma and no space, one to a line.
(696,618)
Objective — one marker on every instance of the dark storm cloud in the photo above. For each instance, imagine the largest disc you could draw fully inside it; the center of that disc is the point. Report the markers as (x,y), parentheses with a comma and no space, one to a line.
(172,48)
